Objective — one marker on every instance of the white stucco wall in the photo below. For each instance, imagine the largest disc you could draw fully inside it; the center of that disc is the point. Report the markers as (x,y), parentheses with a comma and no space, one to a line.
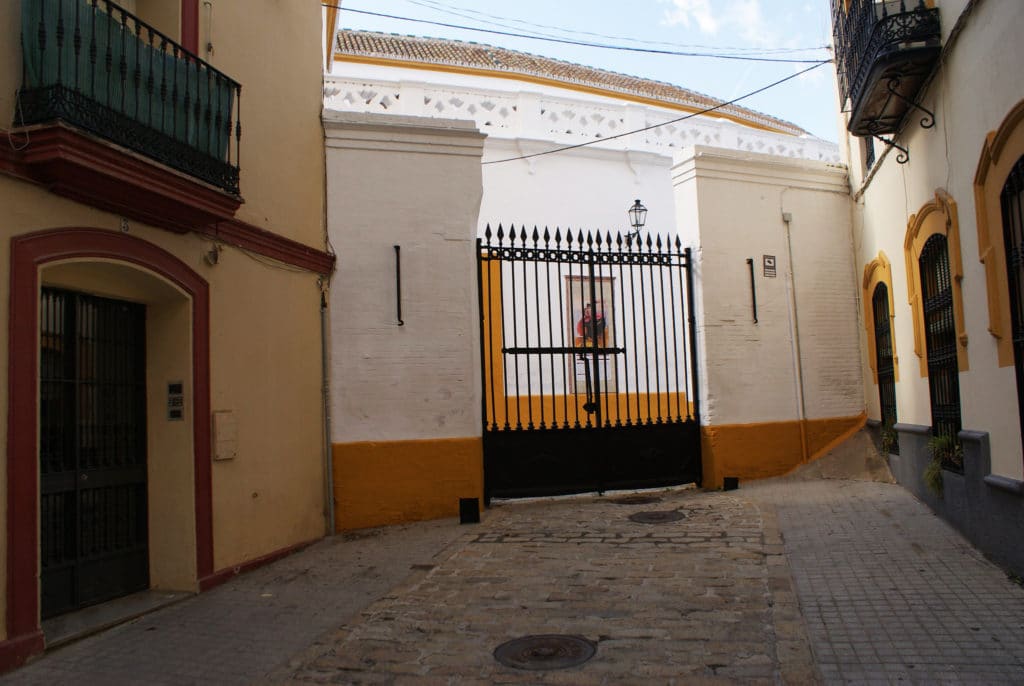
(974,89)
(414,183)
(750,371)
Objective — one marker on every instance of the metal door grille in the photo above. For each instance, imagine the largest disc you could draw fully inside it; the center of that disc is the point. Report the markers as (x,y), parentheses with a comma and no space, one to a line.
(589,366)
(940,338)
(92,457)
(1012,201)
(884,360)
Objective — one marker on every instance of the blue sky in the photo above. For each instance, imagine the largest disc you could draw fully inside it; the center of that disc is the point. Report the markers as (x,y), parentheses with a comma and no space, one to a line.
(790,29)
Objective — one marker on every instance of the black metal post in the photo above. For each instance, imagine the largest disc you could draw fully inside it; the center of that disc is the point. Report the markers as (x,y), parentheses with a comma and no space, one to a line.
(753,288)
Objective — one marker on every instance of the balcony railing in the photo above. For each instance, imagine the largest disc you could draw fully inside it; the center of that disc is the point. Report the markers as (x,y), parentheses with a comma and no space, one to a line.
(884,51)
(94,65)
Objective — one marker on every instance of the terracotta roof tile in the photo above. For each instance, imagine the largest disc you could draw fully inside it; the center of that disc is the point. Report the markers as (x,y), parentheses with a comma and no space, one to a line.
(479,56)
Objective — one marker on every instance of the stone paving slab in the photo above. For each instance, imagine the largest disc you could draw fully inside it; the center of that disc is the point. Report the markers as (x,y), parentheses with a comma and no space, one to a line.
(707,599)
(890,592)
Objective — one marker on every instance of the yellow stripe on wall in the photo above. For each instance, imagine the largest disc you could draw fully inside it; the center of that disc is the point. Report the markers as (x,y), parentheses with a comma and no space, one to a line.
(760,451)
(390,482)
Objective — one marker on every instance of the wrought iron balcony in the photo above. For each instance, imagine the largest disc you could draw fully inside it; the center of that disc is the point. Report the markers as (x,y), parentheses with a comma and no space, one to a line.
(95,66)
(884,52)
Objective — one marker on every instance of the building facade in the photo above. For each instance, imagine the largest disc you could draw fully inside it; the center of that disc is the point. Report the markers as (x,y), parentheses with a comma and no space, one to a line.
(432,143)
(162,271)
(932,111)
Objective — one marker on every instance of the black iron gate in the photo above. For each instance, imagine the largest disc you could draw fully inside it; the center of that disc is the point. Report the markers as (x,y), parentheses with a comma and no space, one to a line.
(589,362)
(92,450)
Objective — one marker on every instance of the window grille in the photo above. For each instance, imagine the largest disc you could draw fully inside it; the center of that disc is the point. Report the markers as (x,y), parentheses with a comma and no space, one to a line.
(884,360)
(1012,202)
(940,341)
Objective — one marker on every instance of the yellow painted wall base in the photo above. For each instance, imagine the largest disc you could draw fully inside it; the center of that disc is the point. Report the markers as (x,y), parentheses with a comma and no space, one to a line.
(390,482)
(760,451)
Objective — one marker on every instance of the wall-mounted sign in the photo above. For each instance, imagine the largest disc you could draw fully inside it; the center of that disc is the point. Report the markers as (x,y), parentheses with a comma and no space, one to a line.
(769,266)
(175,401)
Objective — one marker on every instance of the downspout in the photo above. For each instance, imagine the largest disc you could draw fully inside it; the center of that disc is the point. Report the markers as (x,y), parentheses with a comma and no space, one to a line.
(795,337)
(326,390)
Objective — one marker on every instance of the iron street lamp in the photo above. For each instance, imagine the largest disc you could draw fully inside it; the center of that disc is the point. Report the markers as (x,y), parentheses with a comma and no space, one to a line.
(637,218)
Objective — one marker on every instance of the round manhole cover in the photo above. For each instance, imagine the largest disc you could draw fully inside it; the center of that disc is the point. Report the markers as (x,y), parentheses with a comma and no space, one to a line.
(657,517)
(545,651)
(637,500)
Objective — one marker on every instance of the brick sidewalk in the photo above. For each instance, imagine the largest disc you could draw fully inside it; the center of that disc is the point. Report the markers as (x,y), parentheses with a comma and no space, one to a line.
(890,592)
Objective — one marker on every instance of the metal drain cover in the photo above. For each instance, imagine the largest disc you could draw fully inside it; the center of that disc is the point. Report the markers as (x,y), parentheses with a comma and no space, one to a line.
(657,517)
(545,651)
(637,500)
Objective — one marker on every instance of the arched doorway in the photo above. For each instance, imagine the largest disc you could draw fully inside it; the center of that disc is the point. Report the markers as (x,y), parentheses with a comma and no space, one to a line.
(109,291)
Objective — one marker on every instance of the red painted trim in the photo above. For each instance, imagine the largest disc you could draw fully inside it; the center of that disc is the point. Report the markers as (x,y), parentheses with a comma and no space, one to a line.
(93,171)
(28,253)
(242,235)
(224,575)
(190,25)
(15,652)
(96,173)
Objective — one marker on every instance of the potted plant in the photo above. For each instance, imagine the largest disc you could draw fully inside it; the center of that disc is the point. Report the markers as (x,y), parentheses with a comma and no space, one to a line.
(890,438)
(944,450)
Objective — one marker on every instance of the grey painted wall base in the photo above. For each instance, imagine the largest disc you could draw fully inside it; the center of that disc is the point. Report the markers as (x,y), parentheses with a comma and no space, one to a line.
(987,509)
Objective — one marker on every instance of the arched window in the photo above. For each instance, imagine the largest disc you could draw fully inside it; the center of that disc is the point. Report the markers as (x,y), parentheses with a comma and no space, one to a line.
(884,364)
(1011,202)
(940,340)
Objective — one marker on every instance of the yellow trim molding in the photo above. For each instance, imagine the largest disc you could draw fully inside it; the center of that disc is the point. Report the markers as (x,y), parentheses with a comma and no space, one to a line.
(390,482)
(877,271)
(764,450)
(938,216)
(999,153)
(545,81)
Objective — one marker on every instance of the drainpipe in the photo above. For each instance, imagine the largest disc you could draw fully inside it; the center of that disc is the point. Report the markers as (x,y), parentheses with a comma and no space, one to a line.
(794,320)
(326,389)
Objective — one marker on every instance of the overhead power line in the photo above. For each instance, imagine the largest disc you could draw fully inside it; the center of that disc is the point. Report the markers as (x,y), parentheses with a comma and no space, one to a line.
(665,123)
(567,41)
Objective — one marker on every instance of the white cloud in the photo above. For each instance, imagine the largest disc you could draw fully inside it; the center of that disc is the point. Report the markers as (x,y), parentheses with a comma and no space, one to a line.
(742,18)
(697,11)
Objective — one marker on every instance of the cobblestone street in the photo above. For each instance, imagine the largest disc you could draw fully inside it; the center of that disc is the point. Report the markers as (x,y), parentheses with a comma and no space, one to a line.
(889,594)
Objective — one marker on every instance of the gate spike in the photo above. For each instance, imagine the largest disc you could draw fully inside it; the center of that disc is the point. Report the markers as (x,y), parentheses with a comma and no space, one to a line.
(568,237)
(590,239)
(608,239)
(558,236)
(679,245)
(512,234)
(649,241)
(598,240)
(522,234)
(657,242)
(487,233)
(618,239)
(547,236)
(536,235)
(501,233)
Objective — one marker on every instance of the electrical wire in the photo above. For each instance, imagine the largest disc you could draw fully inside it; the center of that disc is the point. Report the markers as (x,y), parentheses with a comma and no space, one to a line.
(566,41)
(449,9)
(664,123)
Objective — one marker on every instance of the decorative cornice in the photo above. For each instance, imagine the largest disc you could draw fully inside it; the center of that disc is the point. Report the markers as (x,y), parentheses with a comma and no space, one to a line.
(567,85)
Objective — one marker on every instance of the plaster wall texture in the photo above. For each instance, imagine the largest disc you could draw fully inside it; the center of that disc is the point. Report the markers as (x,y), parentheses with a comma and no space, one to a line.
(751,369)
(973,91)
(280,105)
(587,188)
(420,380)
(261,318)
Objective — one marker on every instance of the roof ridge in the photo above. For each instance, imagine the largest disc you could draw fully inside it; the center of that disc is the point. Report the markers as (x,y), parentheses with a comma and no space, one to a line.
(504,59)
